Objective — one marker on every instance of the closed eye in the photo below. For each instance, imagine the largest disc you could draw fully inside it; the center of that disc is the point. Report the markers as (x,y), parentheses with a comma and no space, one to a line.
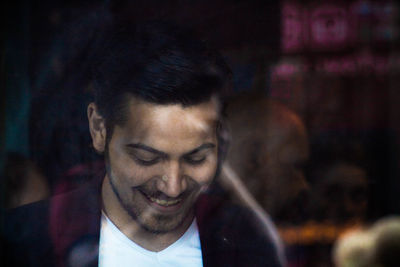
(144,158)
(198,155)
(195,159)
(146,162)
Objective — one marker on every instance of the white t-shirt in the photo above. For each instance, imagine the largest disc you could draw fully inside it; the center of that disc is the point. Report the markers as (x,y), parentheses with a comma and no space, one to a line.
(118,250)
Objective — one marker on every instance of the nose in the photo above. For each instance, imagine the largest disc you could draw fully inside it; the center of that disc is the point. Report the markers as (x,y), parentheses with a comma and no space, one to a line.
(173,182)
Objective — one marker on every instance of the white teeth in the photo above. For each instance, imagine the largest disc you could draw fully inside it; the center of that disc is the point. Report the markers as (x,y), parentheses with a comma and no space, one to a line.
(163,202)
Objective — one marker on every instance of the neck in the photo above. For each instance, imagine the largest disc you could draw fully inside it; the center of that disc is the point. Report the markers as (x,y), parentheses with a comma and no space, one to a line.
(114,210)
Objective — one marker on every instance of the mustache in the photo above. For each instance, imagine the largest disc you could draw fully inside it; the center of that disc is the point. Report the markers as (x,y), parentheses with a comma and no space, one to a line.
(193,189)
(160,195)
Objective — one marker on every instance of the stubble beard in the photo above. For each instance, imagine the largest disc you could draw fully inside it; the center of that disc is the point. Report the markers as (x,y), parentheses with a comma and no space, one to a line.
(150,222)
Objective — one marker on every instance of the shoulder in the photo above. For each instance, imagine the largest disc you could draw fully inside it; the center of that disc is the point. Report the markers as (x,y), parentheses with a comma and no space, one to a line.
(25,234)
(40,232)
(233,233)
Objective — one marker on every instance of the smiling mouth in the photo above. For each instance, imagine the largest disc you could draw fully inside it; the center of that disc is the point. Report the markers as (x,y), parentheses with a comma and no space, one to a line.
(162,202)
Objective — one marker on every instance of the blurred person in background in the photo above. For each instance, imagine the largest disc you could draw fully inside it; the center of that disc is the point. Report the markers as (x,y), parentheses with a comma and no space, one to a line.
(268,148)
(375,246)
(340,193)
(24,182)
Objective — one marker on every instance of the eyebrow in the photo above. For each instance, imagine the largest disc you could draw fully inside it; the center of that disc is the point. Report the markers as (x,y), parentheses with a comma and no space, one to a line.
(147,148)
(155,151)
(202,147)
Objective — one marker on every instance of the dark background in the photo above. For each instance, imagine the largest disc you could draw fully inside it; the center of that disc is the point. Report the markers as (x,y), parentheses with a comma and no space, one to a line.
(345,89)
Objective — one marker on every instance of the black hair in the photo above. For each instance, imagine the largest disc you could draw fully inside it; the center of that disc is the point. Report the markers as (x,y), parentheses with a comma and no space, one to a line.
(154,61)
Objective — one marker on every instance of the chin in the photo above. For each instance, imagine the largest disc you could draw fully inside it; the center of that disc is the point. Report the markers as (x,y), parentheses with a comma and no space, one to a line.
(161,224)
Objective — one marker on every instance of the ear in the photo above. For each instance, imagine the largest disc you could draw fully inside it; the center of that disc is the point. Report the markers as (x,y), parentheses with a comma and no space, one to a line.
(97,128)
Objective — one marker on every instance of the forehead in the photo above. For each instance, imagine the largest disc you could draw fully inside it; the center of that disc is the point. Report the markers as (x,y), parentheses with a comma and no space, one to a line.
(144,111)
(160,125)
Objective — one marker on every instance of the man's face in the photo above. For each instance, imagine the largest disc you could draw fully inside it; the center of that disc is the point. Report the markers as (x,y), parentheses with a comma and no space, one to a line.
(160,160)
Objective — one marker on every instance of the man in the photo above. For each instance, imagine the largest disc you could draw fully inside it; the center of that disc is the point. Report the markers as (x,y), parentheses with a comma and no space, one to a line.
(156,118)
(268,148)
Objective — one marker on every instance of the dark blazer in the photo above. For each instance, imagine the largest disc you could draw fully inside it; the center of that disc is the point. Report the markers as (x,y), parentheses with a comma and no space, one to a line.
(48,233)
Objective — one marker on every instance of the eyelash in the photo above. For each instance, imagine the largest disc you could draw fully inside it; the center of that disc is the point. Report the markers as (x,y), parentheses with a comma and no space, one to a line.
(156,160)
(188,160)
(142,161)
(147,162)
(195,162)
